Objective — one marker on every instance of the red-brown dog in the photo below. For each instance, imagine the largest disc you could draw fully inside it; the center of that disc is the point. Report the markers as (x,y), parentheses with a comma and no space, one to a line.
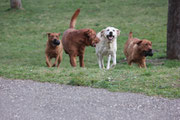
(74,41)
(54,49)
(136,50)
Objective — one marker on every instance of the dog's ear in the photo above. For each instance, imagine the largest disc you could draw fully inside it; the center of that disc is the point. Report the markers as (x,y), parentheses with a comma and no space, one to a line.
(87,33)
(59,34)
(118,32)
(138,42)
(48,34)
(102,32)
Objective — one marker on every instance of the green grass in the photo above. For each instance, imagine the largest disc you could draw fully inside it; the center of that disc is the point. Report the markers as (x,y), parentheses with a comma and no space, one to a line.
(23,40)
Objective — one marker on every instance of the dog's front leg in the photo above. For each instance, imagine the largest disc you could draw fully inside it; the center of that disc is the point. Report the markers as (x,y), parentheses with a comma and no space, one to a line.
(142,64)
(129,61)
(59,60)
(48,61)
(109,62)
(114,60)
(54,65)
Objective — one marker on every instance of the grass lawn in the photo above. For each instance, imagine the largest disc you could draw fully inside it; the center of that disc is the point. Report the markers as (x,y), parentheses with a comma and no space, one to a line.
(23,40)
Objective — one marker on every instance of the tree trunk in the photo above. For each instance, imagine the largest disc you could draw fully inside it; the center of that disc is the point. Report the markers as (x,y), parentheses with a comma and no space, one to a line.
(173,30)
(16,4)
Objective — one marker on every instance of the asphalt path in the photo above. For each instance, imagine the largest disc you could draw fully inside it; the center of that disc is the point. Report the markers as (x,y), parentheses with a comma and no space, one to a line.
(30,100)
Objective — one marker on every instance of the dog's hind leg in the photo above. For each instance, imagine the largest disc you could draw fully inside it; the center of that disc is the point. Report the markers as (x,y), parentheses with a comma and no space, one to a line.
(109,62)
(73,60)
(81,60)
(100,61)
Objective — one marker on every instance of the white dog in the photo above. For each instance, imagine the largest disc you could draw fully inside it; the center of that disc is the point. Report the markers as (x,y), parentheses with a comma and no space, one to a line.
(107,46)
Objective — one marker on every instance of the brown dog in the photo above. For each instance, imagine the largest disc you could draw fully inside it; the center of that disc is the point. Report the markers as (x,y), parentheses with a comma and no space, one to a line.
(54,49)
(74,41)
(136,50)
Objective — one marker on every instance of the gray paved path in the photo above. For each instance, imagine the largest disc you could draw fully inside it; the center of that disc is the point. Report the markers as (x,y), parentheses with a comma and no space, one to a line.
(29,100)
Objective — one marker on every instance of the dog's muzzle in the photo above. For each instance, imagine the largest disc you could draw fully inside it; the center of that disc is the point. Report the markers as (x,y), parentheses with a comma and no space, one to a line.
(148,53)
(56,42)
(93,45)
(110,36)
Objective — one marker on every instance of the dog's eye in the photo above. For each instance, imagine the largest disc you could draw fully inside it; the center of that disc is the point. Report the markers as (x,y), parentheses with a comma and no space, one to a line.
(146,44)
(113,30)
(107,29)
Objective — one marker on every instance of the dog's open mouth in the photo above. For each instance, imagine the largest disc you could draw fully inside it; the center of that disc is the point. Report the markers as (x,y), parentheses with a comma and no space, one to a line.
(148,53)
(110,37)
(56,42)
(93,45)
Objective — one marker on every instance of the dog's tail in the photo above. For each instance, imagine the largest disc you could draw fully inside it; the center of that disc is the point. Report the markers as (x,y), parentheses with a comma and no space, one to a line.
(73,19)
(130,35)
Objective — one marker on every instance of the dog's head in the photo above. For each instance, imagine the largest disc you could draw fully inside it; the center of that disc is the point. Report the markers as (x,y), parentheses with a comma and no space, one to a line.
(53,38)
(110,33)
(145,46)
(91,38)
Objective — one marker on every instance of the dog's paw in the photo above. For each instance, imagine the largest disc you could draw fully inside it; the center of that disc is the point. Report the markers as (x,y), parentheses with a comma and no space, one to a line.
(113,65)
(54,65)
(102,68)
